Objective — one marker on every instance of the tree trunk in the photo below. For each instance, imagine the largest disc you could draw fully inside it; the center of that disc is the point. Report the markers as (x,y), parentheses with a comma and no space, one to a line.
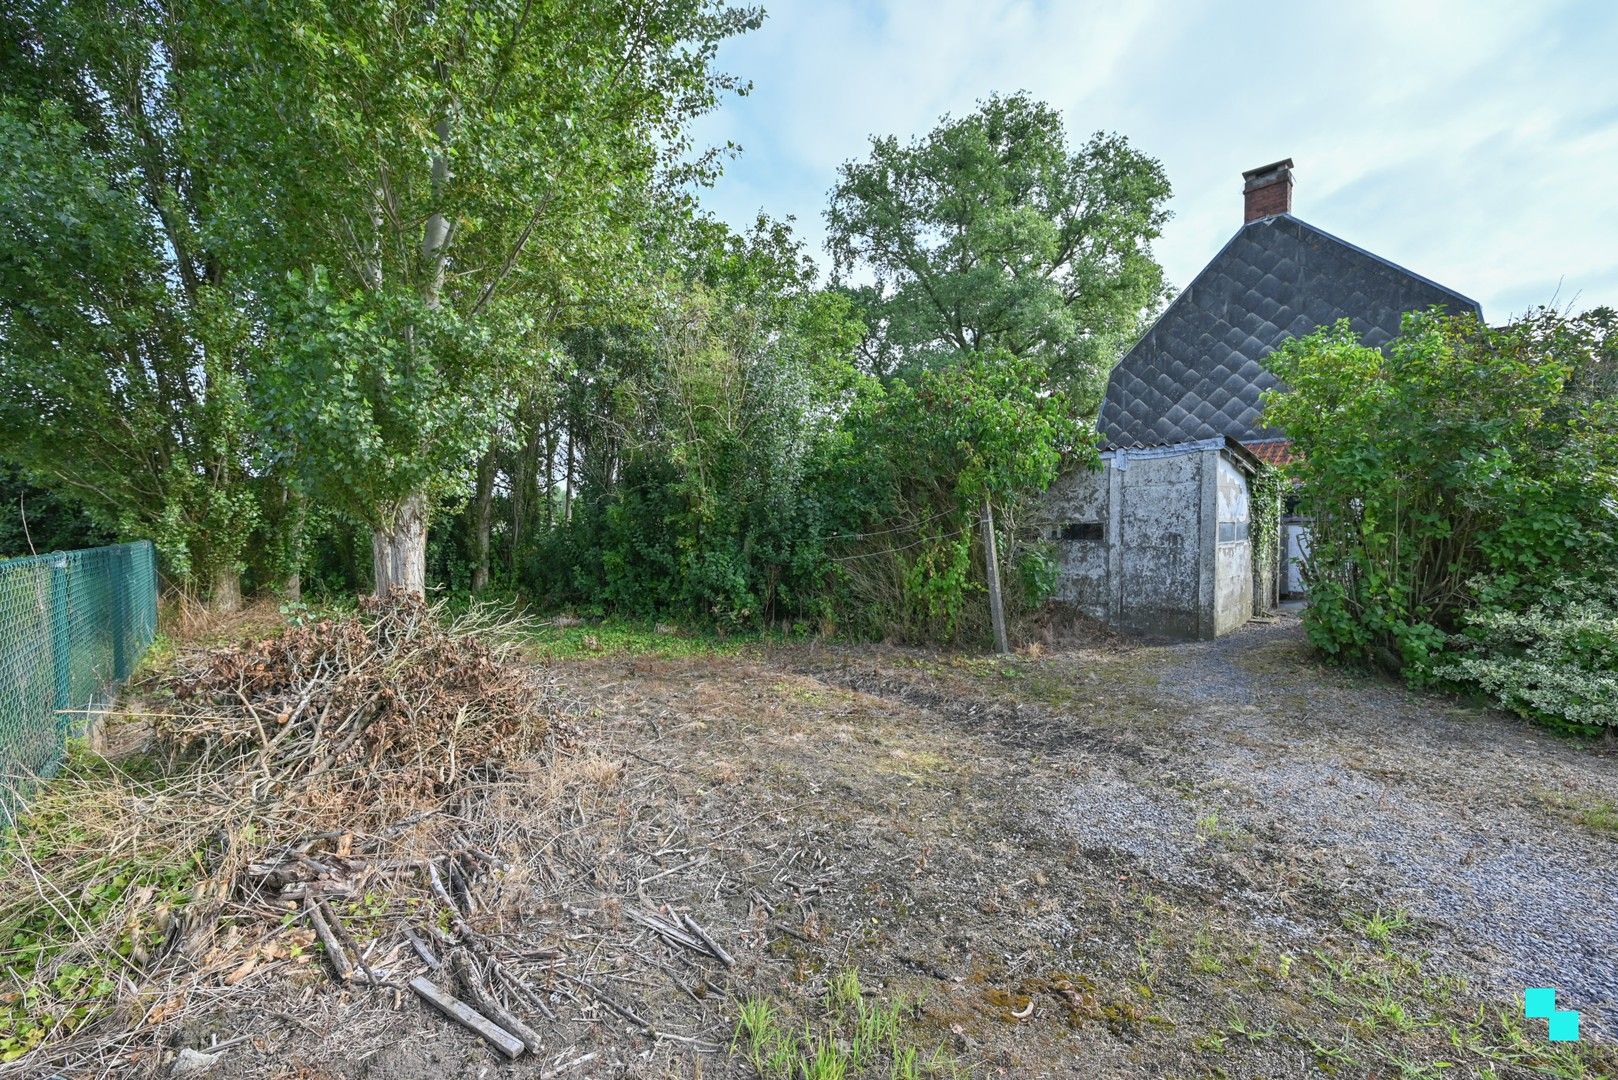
(567,488)
(294,510)
(991,559)
(482,508)
(226,595)
(550,465)
(399,549)
(522,486)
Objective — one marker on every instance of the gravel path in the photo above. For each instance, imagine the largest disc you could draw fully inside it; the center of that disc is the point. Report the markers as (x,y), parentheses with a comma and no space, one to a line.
(1460,817)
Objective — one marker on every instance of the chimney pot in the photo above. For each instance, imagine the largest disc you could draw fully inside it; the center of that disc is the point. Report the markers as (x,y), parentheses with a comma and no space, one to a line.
(1267,190)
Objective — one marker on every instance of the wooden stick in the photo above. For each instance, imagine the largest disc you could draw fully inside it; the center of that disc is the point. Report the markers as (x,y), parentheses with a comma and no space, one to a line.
(713,946)
(560,1069)
(663,929)
(328,940)
(421,948)
(468,1017)
(472,982)
(337,928)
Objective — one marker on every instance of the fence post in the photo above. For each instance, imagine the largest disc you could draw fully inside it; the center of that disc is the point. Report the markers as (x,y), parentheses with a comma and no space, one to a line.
(61,642)
(120,612)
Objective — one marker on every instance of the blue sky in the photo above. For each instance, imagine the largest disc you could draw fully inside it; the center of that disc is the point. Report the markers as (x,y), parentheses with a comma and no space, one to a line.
(1475,143)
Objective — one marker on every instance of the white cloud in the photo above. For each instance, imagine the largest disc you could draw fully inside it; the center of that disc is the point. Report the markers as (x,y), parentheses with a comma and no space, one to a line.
(1475,143)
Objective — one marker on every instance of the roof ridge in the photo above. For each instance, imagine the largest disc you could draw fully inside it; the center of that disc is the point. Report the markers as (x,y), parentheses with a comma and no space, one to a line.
(1373,256)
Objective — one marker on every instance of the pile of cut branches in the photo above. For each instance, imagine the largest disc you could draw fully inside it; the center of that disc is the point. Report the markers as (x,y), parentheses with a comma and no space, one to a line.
(395,704)
(315,785)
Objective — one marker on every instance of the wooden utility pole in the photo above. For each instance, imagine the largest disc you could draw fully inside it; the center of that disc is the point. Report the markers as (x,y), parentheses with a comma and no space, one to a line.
(991,559)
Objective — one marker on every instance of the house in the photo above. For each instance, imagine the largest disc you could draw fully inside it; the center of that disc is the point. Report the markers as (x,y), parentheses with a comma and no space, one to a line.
(1189,392)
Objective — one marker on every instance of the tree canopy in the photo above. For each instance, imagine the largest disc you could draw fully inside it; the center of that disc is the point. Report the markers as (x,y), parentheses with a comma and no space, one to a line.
(121,342)
(382,295)
(991,233)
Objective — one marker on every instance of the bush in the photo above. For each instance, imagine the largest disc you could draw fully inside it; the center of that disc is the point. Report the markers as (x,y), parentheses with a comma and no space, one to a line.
(1554,660)
(1463,490)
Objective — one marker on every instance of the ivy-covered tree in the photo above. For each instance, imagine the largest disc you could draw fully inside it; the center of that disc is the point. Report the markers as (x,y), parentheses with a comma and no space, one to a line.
(992,234)
(471,176)
(122,344)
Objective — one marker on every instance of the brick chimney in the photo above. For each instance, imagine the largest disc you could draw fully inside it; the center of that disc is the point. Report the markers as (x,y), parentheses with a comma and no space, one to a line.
(1268,190)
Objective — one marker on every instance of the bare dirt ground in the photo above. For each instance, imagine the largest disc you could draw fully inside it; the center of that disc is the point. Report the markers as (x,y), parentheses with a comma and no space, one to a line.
(1205,860)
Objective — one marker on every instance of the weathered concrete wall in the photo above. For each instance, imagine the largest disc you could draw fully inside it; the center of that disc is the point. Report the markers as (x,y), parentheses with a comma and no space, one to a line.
(1159,545)
(1080,497)
(1138,543)
(1233,550)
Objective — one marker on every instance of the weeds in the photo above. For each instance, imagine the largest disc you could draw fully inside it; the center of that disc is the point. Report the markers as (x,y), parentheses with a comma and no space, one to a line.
(94,881)
(569,639)
(1377,927)
(1599,816)
(855,1038)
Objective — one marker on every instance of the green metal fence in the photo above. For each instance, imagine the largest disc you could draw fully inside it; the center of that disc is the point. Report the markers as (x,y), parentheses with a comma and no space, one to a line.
(73,624)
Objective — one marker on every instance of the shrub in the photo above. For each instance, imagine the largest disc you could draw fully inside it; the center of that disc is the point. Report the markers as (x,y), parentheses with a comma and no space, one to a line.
(1554,660)
(1463,490)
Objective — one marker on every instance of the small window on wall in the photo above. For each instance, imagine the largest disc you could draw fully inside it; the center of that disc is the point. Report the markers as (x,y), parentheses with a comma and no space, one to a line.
(1082,530)
(1232,531)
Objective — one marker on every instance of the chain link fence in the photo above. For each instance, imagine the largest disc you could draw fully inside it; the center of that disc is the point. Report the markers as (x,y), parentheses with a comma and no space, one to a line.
(73,625)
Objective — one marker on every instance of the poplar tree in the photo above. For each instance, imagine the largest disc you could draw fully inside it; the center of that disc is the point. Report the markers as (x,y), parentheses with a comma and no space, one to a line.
(471,175)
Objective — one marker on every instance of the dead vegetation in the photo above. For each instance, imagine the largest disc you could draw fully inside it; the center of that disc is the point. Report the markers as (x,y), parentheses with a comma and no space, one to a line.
(363,716)
(384,796)
(774,863)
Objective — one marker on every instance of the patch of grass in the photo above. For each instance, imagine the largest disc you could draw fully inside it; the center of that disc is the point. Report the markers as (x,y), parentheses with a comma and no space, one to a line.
(1599,815)
(855,1038)
(1401,1020)
(1205,958)
(563,639)
(1377,927)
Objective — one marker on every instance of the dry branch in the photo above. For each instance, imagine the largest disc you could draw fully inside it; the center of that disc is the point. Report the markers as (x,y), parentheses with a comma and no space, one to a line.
(468,1017)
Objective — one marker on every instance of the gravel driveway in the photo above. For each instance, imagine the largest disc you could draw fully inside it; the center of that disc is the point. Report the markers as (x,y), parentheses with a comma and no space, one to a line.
(1464,819)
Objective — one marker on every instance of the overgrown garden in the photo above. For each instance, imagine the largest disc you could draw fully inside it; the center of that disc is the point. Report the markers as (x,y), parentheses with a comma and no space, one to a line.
(346,298)
(1462,486)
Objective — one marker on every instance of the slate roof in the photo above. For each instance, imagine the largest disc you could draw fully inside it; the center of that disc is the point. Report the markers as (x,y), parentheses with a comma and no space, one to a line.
(1198,372)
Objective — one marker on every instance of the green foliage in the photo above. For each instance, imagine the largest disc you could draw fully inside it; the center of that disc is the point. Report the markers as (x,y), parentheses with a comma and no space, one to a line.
(1554,659)
(1267,498)
(39,519)
(1461,486)
(382,273)
(991,234)
(121,345)
(378,397)
(464,287)
(695,493)
(921,457)
(459,204)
